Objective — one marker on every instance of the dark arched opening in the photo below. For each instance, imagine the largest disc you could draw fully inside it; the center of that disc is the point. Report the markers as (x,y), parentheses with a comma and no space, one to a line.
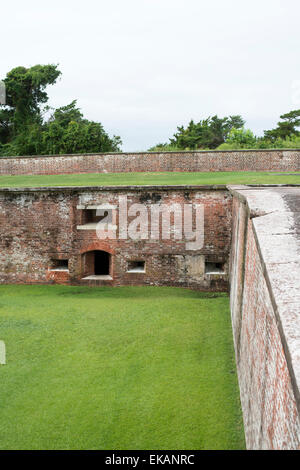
(96,263)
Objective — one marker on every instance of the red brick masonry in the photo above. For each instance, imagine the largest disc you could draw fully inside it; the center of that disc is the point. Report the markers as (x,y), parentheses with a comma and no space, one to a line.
(239,160)
(45,237)
(265,309)
(39,226)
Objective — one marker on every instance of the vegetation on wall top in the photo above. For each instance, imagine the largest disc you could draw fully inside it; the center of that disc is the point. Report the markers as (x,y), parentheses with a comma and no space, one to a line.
(229,133)
(29,126)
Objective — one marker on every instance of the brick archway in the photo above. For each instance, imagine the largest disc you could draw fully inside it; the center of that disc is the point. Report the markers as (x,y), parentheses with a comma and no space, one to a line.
(98,245)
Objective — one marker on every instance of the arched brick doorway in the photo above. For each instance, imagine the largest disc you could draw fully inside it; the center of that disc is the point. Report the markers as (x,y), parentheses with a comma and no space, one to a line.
(96,263)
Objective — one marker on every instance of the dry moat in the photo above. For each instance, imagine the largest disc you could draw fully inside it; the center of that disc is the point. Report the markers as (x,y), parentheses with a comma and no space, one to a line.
(118,368)
(132,367)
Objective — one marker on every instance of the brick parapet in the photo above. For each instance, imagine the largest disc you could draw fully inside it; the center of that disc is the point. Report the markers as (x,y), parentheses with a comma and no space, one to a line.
(264,285)
(189,161)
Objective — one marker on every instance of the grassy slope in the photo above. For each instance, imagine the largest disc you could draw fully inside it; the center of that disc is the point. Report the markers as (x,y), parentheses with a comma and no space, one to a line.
(117,368)
(95,179)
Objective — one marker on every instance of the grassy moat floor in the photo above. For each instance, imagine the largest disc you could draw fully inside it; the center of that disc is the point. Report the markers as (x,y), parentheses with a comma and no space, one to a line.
(171,178)
(117,368)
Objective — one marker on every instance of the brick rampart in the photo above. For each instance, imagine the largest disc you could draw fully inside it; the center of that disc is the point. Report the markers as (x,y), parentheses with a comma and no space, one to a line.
(265,308)
(239,160)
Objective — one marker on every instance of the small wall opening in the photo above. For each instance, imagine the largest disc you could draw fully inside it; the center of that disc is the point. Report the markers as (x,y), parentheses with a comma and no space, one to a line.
(59,265)
(136,266)
(214,268)
(90,216)
(96,263)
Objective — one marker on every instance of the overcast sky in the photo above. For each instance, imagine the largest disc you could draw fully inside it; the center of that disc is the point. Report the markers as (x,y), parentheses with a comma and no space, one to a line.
(142,67)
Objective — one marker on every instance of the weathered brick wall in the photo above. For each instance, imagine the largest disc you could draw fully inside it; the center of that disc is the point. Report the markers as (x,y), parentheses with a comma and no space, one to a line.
(39,225)
(241,160)
(269,392)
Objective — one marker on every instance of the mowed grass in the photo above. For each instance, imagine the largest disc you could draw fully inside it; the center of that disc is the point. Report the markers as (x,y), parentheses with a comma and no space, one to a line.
(172,178)
(117,368)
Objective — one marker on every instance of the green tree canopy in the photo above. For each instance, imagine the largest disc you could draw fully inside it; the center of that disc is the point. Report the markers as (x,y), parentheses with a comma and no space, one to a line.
(68,132)
(23,130)
(239,139)
(286,128)
(206,134)
(229,133)
(25,93)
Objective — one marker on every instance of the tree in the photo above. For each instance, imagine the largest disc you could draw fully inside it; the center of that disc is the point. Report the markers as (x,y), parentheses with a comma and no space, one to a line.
(206,134)
(25,93)
(23,130)
(195,135)
(221,128)
(285,129)
(68,132)
(239,139)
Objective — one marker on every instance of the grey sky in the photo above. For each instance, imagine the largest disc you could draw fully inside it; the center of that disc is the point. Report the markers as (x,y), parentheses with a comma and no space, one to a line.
(142,67)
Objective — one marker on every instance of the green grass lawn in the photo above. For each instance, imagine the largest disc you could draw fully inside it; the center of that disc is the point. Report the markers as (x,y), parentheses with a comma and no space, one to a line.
(117,368)
(113,179)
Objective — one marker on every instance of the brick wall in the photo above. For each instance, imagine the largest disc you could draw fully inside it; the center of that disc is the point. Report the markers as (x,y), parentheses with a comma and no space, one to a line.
(42,228)
(39,226)
(265,326)
(242,160)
